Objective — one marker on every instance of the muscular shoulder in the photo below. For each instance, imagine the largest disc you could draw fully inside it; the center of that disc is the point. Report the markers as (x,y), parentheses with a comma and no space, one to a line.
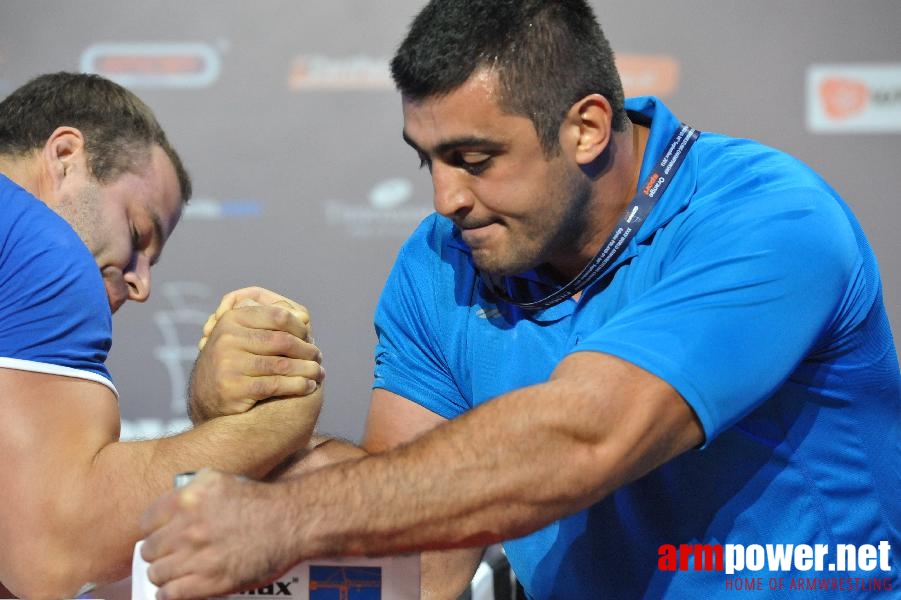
(53,305)
(29,230)
(733,170)
(767,199)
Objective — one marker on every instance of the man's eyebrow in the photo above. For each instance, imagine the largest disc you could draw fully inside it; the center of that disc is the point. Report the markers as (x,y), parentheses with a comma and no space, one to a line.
(410,142)
(456,143)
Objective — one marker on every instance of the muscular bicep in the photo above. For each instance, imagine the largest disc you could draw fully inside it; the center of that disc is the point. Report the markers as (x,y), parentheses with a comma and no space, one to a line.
(634,420)
(394,420)
(53,427)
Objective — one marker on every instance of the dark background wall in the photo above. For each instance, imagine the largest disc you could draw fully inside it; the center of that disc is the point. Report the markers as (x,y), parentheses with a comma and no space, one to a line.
(285,115)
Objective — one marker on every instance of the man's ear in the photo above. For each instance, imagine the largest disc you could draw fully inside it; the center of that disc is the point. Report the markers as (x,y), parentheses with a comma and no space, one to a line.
(587,128)
(63,153)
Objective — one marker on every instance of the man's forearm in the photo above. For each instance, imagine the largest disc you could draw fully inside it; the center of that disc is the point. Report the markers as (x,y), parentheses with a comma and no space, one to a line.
(445,490)
(444,574)
(321,451)
(102,503)
(507,468)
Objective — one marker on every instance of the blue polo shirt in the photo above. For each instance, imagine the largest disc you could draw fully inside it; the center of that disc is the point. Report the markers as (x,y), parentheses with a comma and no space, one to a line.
(751,289)
(54,312)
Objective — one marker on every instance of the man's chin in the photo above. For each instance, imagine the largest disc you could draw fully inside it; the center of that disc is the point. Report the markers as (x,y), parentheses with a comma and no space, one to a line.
(497,269)
(115,301)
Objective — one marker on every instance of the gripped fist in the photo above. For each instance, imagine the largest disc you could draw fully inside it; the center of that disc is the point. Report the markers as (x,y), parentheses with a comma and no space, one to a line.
(256,346)
(254,296)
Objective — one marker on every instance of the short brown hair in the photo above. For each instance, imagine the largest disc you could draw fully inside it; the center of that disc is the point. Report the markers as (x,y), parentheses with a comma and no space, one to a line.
(119,129)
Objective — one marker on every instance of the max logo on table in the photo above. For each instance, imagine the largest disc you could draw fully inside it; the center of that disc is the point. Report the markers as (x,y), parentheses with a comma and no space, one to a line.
(276,588)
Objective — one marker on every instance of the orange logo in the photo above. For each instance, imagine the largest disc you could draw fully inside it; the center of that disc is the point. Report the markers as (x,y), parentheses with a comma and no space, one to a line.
(843,97)
(650,184)
(318,72)
(648,74)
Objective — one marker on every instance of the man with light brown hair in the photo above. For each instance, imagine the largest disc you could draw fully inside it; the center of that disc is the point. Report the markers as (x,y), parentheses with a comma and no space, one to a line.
(90,190)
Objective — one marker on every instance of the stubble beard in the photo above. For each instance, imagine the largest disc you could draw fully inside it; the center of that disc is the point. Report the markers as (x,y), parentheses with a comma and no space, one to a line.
(545,238)
(82,212)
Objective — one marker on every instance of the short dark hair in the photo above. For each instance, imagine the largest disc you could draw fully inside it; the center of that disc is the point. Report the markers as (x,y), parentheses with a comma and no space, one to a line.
(118,128)
(548,54)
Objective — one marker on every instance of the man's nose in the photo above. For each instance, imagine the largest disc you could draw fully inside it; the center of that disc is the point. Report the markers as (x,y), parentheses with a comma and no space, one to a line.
(452,197)
(137,278)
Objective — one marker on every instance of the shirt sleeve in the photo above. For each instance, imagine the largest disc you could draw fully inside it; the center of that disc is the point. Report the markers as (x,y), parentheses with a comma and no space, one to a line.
(747,293)
(411,358)
(55,314)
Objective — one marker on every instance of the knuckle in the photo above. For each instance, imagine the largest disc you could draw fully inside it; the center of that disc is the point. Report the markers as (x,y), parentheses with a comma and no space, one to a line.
(257,365)
(198,533)
(221,339)
(264,387)
(281,316)
(231,386)
(281,365)
(284,343)
(220,386)
(261,336)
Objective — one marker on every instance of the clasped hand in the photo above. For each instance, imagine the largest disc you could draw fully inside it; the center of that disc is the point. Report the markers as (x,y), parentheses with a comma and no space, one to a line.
(257,345)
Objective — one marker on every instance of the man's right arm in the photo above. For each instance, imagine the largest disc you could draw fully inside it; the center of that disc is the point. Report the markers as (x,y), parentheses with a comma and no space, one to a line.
(75,492)
(394,420)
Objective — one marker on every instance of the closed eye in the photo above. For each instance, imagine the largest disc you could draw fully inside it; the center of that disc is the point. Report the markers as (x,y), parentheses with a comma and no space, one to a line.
(473,163)
(424,161)
(135,238)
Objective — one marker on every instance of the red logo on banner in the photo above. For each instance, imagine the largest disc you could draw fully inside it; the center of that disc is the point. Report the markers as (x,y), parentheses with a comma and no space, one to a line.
(843,97)
(648,75)
(154,65)
(149,65)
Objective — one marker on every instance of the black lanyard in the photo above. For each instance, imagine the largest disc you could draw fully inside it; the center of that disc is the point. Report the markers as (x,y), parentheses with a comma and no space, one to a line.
(628,225)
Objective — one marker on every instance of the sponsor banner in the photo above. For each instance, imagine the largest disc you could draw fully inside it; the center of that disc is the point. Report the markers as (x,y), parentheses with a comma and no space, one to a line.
(388,212)
(648,74)
(361,72)
(154,65)
(854,98)
(642,74)
(212,209)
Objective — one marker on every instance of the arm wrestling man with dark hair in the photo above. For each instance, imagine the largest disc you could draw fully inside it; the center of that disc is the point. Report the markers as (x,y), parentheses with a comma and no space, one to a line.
(616,335)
